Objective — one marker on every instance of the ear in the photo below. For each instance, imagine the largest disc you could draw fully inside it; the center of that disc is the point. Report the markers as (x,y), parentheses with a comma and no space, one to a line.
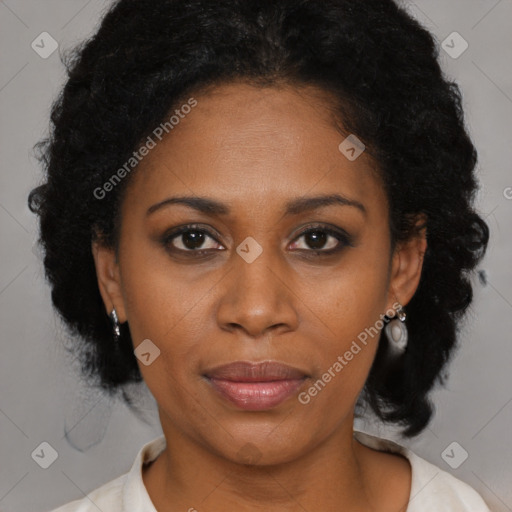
(109,279)
(407,264)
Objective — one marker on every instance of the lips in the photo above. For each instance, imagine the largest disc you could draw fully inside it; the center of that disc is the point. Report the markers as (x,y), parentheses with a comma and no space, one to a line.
(266,371)
(256,386)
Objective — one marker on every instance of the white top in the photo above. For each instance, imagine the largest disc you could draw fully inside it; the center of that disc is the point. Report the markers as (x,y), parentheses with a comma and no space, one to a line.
(432,489)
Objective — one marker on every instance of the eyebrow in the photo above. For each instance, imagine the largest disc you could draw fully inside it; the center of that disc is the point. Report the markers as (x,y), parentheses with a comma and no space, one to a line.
(292,207)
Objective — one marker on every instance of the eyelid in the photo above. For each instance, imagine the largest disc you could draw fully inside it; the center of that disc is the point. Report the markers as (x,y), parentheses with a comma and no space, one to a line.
(175,232)
(331,230)
(344,239)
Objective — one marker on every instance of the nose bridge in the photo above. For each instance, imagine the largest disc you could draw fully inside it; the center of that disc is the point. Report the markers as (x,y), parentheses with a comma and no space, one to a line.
(256,267)
(257,296)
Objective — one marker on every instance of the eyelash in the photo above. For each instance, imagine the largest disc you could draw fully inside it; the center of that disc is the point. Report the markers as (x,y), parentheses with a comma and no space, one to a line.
(343,238)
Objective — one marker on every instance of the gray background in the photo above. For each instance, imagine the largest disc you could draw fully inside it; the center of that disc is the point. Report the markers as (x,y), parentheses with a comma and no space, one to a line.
(41,390)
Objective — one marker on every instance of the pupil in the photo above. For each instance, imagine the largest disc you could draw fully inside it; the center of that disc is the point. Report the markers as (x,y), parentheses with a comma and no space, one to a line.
(316,239)
(193,239)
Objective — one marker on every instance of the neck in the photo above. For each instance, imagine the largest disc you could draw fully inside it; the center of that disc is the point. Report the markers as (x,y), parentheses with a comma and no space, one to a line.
(186,476)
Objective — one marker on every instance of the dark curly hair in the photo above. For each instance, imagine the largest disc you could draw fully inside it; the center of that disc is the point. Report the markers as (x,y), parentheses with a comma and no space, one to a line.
(380,66)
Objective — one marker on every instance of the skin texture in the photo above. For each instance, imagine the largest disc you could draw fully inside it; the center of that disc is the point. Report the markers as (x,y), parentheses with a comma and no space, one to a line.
(254,149)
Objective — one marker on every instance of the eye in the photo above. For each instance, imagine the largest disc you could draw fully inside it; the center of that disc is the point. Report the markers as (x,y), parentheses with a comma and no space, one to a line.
(323,240)
(192,239)
(196,240)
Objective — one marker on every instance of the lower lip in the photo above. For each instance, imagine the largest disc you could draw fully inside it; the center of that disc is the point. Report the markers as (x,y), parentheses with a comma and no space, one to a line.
(256,396)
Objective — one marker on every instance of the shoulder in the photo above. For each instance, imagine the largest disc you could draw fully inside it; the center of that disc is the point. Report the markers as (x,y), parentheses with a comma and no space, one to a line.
(432,489)
(125,489)
(435,489)
(107,497)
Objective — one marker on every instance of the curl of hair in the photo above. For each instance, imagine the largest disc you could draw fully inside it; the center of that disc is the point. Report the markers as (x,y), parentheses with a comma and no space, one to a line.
(382,68)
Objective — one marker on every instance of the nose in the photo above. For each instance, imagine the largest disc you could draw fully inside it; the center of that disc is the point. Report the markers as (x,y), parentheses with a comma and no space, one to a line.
(258,297)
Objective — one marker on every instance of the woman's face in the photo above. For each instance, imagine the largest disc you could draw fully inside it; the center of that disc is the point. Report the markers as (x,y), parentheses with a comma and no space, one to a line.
(244,283)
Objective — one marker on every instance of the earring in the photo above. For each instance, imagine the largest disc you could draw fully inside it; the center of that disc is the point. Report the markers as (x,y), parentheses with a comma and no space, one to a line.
(115,325)
(396,331)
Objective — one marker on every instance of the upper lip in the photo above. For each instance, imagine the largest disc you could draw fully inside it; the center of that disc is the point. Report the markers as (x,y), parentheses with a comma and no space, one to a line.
(246,371)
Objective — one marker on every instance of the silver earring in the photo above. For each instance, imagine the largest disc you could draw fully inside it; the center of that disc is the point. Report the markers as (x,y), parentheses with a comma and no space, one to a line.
(396,332)
(115,325)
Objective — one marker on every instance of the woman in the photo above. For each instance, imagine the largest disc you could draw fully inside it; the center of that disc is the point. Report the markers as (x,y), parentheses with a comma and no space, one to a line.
(272,203)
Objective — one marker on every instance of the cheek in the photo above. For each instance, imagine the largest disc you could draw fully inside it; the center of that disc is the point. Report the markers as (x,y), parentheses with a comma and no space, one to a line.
(354,295)
(350,308)
(160,305)
(344,355)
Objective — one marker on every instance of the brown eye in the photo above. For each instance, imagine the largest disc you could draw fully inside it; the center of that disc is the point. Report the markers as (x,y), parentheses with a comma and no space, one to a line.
(323,240)
(189,239)
(318,239)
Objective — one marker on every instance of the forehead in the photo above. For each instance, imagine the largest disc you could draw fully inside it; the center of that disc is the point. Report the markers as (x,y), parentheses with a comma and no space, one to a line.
(256,146)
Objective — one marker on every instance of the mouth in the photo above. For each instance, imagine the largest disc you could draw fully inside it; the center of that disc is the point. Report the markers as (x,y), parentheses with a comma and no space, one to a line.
(256,386)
